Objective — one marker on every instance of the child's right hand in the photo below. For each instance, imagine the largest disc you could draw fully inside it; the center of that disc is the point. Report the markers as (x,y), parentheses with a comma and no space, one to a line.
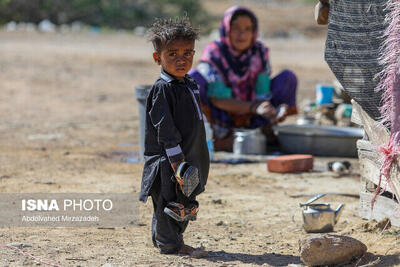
(175,165)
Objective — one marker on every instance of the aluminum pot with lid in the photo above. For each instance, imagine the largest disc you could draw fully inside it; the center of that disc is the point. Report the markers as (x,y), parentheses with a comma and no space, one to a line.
(249,141)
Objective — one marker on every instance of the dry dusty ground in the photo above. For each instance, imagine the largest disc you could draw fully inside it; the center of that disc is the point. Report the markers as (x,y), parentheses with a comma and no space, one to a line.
(67,104)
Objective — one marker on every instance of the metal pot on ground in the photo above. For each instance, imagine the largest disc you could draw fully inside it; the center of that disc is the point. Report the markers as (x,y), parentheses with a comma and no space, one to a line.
(249,141)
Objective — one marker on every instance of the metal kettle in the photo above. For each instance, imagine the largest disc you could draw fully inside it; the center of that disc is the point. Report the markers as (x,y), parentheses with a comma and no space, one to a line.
(319,218)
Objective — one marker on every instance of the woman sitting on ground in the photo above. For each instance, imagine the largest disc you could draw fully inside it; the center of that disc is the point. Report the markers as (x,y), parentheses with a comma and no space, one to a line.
(236,90)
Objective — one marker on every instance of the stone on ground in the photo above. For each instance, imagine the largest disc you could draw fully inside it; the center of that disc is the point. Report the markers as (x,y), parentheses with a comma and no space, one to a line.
(328,249)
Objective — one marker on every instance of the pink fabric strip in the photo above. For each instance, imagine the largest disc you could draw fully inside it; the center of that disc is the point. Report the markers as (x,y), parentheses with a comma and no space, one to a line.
(390,86)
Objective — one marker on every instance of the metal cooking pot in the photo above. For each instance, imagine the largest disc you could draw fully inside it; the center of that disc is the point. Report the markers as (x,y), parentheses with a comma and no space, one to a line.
(249,141)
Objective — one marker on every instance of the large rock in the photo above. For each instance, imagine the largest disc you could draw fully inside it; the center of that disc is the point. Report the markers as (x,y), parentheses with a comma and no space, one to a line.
(327,249)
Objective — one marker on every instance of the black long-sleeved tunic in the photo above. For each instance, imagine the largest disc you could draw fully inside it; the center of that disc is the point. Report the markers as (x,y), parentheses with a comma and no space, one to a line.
(174,131)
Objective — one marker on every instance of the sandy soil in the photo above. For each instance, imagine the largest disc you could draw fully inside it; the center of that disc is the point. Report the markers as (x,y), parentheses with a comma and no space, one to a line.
(67,105)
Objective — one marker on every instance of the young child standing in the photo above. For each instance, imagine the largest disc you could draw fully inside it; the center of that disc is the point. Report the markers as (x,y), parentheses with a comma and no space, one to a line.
(174,134)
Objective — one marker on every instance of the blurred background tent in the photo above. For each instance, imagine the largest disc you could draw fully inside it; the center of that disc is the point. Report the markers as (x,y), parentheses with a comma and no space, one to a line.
(355,35)
(122,14)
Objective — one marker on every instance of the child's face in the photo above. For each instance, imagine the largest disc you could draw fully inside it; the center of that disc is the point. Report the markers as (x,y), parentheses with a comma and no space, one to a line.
(176,58)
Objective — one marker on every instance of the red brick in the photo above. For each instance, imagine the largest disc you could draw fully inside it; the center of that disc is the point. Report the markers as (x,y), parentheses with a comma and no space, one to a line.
(291,163)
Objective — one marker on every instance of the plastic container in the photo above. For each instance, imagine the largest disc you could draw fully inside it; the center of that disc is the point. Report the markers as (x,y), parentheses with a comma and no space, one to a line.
(209,138)
(324,94)
(319,140)
(141,93)
(348,109)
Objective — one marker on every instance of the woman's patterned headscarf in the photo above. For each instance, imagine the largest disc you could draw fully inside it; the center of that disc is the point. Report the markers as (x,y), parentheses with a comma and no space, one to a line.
(239,70)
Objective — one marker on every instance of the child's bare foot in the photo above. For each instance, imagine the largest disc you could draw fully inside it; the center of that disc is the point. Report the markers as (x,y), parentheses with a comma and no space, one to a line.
(199,253)
(193,252)
(186,250)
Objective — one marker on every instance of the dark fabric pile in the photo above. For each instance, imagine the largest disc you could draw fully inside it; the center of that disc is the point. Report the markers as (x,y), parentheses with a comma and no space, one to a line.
(352,48)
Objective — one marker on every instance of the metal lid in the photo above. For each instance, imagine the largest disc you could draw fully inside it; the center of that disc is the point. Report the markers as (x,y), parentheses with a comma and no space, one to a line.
(319,206)
(311,200)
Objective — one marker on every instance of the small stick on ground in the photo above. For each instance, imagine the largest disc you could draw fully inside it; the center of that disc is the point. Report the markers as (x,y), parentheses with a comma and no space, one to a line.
(329,193)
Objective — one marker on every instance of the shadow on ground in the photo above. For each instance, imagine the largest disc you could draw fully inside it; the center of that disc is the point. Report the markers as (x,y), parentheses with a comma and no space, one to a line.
(370,259)
(272,259)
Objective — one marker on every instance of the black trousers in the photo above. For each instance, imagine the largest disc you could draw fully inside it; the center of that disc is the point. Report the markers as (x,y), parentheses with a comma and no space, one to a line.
(167,233)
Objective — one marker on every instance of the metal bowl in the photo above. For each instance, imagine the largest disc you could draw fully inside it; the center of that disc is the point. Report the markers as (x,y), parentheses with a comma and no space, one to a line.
(319,140)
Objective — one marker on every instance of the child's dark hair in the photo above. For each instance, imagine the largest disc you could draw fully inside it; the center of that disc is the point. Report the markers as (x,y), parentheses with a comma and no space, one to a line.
(164,31)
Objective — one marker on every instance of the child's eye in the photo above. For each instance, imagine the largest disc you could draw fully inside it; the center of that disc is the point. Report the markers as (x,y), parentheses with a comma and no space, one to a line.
(188,53)
(173,54)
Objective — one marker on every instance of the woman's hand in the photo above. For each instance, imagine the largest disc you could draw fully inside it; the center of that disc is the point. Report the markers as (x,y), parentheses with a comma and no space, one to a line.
(281,114)
(265,109)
